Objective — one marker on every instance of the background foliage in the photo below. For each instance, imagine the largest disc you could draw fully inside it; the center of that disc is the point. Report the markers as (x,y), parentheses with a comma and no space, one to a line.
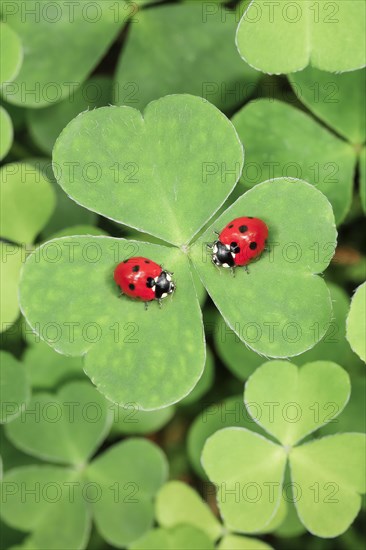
(234,416)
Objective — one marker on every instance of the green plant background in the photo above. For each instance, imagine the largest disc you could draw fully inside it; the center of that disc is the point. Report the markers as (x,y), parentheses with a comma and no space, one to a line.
(141,128)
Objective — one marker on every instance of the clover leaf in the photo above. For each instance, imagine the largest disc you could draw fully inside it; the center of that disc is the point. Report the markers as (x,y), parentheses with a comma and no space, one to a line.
(204,384)
(67,216)
(234,542)
(363,178)
(331,466)
(177,503)
(66,427)
(47,369)
(11,262)
(115,488)
(265,308)
(51,508)
(6,135)
(45,125)
(356,322)
(14,386)
(326,473)
(137,469)
(130,419)
(71,29)
(336,99)
(114,332)
(311,153)
(187,34)
(323,381)
(242,361)
(226,413)
(29,200)
(11,53)
(241,471)
(128,167)
(284,38)
(182,536)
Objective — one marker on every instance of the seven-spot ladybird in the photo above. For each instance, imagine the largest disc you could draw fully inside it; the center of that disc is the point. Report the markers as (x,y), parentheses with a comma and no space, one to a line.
(143,279)
(242,240)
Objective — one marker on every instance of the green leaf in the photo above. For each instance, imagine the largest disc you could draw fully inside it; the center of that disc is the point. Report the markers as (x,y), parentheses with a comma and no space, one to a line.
(45,499)
(45,125)
(29,200)
(353,417)
(177,503)
(115,332)
(183,36)
(274,308)
(204,383)
(227,413)
(330,474)
(356,322)
(286,142)
(6,135)
(236,356)
(244,480)
(337,99)
(327,36)
(14,386)
(291,526)
(82,33)
(130,419)
(48,369)
(66,213)
(79,230)
(334,345)
(235,542)
(363,178)
(129,475)
(120,157)
(13,457)
(11,56)
(66,428)
(291,402)
(184,537)
(12,258)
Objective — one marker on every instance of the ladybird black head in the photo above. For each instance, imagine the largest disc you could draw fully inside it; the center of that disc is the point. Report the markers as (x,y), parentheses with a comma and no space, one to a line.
(222,255)
(163,285)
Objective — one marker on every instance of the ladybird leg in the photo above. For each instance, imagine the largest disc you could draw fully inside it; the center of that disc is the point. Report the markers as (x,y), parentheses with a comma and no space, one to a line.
(210,245)
(146,306)
(232,270)
(216,232)
(246,269)
(160,303)
(121,294)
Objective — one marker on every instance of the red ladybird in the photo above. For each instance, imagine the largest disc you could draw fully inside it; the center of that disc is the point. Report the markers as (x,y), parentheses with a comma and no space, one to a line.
(242,240)
(143,279)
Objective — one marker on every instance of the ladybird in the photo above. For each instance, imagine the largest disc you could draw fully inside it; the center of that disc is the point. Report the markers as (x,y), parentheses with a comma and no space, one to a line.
(241,241)
(143,279)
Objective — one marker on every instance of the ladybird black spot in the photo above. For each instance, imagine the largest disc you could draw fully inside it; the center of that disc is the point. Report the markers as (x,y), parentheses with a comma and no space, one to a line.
(231,225)
(147,261)
(131,286)
(253,245)
(136,268)
(150,282)
(125,261)
(243,228)
(250,217)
